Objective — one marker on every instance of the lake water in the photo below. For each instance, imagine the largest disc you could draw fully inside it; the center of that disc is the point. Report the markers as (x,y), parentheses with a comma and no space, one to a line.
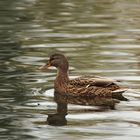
(99,37)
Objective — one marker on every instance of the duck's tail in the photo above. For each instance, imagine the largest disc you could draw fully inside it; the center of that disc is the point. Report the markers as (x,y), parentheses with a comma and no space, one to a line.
(121,90)
(117,94)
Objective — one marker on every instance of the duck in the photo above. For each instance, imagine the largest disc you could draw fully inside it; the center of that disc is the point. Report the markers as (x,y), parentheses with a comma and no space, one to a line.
(83,86)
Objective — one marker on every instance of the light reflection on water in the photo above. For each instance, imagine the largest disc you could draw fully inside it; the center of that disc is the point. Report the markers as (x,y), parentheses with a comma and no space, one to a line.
(99,38)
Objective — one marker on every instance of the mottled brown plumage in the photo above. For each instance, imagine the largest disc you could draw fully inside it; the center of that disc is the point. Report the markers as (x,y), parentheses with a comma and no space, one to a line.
(88,86)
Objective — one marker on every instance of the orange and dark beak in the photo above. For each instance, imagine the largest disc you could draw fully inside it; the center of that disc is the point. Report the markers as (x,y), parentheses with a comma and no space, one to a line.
(46,66)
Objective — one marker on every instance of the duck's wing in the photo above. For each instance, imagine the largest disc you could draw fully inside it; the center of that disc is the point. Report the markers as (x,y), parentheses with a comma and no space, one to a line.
(95,86)
(93,91)
(92,81)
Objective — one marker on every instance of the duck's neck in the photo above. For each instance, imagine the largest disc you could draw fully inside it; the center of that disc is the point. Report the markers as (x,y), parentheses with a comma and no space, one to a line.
(62,76)
(61,80)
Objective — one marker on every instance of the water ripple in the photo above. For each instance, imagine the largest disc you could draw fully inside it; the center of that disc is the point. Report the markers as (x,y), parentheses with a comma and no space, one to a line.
(50,45)
(122,46)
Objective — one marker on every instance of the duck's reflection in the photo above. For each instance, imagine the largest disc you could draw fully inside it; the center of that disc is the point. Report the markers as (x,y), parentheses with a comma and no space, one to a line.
(59,118)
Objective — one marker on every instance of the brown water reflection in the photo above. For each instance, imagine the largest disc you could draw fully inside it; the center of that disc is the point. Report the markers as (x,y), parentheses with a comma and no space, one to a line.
(98,37)
(102,104)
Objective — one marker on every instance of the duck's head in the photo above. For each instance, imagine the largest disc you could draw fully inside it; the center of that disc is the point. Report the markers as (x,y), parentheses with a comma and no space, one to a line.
(57,60)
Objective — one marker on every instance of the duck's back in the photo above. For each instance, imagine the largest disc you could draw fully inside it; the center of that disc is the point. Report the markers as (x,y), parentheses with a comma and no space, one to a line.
(94,86)
(93,81)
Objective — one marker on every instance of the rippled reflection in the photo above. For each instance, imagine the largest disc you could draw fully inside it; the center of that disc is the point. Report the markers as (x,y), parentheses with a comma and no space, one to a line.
(59,118)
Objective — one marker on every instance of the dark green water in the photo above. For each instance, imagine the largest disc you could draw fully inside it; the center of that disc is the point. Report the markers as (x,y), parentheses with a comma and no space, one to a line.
(99,37)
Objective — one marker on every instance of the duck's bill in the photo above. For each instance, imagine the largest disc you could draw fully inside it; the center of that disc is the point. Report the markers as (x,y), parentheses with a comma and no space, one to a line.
(45,67)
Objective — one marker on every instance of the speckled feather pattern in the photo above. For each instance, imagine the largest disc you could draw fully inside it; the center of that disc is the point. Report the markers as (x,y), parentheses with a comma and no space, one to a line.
(89,87)
(91,91)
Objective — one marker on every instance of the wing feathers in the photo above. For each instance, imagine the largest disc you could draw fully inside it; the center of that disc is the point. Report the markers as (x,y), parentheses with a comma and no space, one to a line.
(92,81)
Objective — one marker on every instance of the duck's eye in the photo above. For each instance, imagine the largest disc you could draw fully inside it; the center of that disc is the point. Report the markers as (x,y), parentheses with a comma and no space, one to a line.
(53,58)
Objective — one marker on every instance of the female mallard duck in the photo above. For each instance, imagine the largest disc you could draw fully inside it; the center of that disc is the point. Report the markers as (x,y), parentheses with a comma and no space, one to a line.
(88,86)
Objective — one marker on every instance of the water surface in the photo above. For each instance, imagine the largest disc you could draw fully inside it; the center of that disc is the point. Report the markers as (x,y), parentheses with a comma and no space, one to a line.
(98,37)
